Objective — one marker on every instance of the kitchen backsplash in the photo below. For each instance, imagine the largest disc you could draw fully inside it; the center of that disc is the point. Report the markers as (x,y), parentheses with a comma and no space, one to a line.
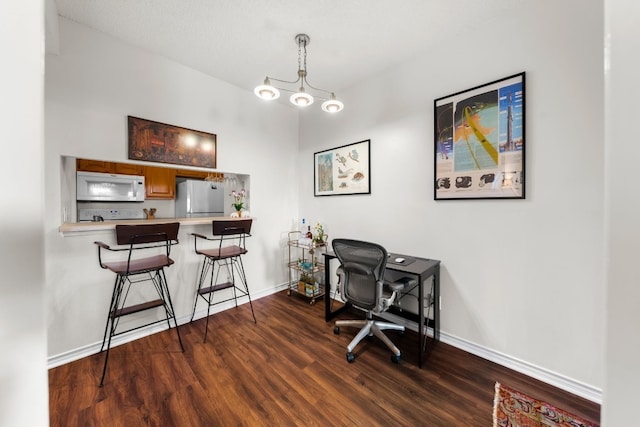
(164,208)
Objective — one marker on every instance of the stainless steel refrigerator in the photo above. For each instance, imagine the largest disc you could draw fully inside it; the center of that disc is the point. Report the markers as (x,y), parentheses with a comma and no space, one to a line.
(199,199)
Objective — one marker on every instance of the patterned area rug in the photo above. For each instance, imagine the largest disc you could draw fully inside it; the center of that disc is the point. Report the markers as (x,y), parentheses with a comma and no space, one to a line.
(512,408)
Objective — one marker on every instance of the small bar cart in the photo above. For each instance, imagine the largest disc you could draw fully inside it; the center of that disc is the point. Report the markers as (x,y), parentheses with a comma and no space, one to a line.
(306,267)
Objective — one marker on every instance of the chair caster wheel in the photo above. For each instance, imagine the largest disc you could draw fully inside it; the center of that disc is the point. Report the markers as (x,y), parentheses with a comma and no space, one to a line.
(350,357)
(395,358)
(336,330)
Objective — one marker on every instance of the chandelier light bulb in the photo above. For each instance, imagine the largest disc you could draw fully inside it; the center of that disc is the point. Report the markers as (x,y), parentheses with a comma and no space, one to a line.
(301,99)
(266,91)
(332,105)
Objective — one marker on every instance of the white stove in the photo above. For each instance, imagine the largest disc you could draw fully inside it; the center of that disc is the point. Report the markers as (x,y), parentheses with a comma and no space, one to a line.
(109,214)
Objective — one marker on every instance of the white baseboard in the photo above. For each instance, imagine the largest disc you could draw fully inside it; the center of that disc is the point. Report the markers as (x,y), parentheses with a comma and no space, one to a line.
(578,388)
(91,349)
(567,384)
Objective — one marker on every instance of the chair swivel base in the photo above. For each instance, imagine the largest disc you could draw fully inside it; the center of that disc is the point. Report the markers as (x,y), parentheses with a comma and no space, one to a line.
(370,327)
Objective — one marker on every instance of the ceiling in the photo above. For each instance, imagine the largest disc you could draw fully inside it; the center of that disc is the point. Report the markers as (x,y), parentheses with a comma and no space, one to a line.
(242,41)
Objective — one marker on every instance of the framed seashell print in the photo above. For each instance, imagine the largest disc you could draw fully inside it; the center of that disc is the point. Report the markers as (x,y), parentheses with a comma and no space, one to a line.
(343,170)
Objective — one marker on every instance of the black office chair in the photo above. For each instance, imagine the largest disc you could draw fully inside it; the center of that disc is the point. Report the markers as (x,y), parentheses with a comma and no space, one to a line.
(147,248)
(362,284)
(225,256)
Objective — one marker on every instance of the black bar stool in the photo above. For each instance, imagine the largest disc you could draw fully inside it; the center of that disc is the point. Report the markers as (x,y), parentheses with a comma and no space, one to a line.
(229,237)
(147,248)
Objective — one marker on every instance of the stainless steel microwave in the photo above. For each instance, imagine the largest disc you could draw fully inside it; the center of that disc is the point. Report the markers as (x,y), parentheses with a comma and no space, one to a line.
(109,187)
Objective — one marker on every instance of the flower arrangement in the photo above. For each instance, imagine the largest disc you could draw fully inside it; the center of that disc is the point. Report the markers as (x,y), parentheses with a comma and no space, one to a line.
(238,199)
(319,237)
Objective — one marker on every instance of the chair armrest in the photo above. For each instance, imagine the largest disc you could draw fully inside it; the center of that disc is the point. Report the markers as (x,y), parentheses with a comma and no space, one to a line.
(395,286)
(384,300)
(195,241)
(401,284)
(103,245)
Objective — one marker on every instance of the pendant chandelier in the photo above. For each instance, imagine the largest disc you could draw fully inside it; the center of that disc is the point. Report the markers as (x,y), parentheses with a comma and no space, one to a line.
(301,97)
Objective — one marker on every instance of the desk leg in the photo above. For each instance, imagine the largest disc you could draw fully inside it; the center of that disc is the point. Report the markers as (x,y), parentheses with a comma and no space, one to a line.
(435,293)
(421,329)
(327,289)
(436,305)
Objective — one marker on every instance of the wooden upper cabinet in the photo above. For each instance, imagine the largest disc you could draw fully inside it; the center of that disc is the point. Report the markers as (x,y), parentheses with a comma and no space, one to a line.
(160,183)
(188,173)
(128,169)
(88,165)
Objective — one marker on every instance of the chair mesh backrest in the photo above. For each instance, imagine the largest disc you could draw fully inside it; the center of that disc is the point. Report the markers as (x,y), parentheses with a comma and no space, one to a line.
(227,228)
(363,264)
(146,233)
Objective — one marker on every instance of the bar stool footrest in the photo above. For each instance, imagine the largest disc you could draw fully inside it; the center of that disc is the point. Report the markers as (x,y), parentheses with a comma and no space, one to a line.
(214,288)
(137,308)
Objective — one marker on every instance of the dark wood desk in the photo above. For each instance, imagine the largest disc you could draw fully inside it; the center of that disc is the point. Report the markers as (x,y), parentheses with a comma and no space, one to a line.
(422,268)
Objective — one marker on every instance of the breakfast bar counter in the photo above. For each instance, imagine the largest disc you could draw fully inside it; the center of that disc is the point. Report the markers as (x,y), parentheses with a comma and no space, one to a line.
(91,226)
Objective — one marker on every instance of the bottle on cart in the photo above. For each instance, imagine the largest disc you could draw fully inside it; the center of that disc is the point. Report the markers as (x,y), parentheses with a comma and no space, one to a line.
(302,239)
(309,234)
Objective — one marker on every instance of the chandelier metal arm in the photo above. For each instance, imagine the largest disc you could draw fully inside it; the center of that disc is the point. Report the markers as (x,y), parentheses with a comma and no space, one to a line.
(283,89)
(315,88)
(283,81)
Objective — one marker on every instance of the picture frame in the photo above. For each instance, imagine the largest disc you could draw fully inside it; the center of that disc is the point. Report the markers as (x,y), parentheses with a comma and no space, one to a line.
(159,142)
(479,142)
(343,170)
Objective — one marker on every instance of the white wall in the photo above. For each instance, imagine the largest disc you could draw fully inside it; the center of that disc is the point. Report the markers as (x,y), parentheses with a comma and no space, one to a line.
(406,128)
(23,376)
(623,210)
(522,278)
(91,87)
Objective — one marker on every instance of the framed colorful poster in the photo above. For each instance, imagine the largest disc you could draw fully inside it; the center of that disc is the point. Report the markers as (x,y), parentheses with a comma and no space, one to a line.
(343,170)
(479,142)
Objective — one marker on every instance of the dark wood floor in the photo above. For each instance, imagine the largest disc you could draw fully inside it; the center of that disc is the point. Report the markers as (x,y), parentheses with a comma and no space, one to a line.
(288,369)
